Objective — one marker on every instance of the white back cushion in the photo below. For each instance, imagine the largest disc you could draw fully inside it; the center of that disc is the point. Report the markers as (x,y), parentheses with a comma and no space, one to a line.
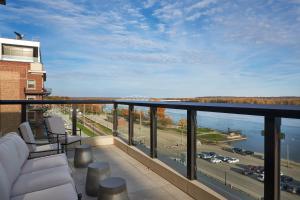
(22,149)
(26,132)
(55,125)
(4,184)
(10,156)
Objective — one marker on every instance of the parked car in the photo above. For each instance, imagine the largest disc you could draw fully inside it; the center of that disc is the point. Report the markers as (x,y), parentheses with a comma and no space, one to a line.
(200,155)
(215,160)
(247,172)
(260,170)
(233,160)
(242,152)
(212,154)
(223,158)
(286,179)
(252,168)
(261,177)
(283,186)
(247,152)
(236,150)
(204,155)
(292,189)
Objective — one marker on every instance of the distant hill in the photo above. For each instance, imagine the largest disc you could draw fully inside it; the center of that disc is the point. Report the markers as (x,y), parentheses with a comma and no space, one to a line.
(211,99)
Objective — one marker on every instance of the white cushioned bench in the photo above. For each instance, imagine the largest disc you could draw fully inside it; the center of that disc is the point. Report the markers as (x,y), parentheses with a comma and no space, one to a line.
(44,178)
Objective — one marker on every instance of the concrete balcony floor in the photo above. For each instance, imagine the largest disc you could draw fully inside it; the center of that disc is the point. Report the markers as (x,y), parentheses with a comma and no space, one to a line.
(142,183)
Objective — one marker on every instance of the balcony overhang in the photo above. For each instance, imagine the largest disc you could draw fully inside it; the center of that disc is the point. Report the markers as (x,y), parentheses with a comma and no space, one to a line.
(43,92)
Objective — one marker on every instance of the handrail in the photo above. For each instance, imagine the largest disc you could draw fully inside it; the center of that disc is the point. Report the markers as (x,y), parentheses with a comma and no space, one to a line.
(286,111)
(272,121)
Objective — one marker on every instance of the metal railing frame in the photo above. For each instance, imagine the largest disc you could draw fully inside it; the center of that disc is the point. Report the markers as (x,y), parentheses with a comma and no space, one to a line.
(272,121)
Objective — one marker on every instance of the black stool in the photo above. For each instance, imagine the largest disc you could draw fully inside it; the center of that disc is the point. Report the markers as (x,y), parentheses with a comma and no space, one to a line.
(97,171)
(113,188)
(83,156)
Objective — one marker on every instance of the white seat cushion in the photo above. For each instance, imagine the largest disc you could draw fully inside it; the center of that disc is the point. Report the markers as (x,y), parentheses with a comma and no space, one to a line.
(42,163)
(40,180)
(61,192)
(47,147)
(70,139)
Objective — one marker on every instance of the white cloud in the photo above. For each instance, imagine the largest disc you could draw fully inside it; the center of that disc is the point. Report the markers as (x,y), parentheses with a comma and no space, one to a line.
(201,5)
(149,3)
(169,12)
(205,13)
(161,27)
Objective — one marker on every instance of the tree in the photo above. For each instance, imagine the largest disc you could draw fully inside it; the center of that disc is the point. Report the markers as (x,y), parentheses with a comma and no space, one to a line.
(182,123)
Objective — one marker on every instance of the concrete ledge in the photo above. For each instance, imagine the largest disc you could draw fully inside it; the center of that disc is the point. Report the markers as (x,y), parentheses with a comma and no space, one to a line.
(193,188)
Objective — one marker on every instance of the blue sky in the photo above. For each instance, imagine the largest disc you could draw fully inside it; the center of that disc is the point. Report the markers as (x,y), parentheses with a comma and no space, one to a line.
(163,48)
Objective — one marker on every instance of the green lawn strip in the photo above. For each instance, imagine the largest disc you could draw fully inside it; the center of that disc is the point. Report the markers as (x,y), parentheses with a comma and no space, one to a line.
(86,130)
(212,137)
(199,130)
(101,128)
(104,129)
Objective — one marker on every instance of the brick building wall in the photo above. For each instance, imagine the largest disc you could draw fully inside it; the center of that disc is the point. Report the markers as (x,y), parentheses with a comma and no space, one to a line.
(13,81)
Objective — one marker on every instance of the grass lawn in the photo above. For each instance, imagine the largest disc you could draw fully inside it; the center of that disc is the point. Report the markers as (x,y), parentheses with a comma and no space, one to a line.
(100,127)
(104,129)
(85,130)
(212,137)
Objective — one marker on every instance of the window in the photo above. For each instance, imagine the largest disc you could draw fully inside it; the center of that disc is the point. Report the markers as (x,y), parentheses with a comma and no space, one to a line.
(31,84)
(30,97)
(18,51)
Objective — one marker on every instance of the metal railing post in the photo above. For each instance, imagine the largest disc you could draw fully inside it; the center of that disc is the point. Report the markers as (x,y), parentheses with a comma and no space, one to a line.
(23,112)
(272,158)
(74,119)
(115,120)
(191,144)
(153,132)
(130,124)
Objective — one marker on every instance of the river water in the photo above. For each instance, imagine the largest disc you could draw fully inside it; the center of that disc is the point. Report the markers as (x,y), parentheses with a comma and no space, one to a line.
(252,127)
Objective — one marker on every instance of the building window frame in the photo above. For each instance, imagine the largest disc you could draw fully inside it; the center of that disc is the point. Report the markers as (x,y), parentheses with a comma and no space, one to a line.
(31,97)
(33,83)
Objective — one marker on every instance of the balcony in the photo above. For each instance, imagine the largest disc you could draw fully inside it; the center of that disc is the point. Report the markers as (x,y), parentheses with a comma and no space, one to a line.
(148,152)
(43,92)
(37,67)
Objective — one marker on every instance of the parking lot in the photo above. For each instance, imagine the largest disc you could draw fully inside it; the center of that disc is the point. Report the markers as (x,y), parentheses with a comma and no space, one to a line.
(247,174)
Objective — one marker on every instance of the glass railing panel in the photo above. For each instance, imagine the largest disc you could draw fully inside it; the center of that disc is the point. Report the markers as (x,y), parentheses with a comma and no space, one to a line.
(290,159)
(95,119)
(171,138)
(10,118)
(123,122)
(230,154)
(142,128)
(36,114)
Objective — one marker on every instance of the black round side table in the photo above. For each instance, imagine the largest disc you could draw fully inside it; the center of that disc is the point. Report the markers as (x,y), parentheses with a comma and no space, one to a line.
(97,171)
(113,188)
(83,156)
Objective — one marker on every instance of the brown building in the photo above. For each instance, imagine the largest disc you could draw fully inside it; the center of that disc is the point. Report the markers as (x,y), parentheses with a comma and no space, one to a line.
(22,76)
